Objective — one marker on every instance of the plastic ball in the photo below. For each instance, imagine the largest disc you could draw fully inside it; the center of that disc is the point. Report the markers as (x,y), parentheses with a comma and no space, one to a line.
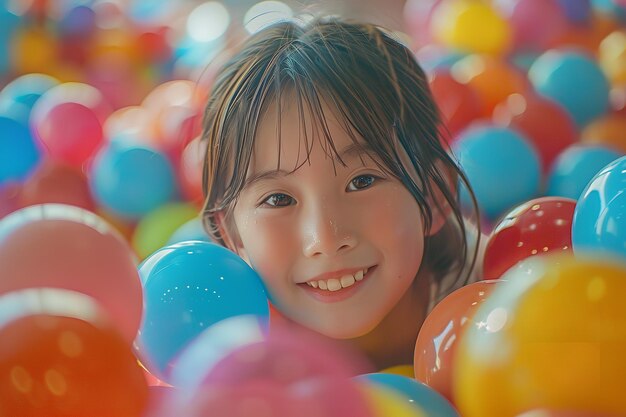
(70,133)
(190,170)
(491,78)
(577,11)
(471,26)
(609,131)
(537,227)
(59,246)
(77,20)
(404,370)
(32,50)
(575,167)
(546,125)
(600,217)
(502,168)
(459,103)
(438,339)
(27,89)
(188,287)
(612,56)
(555,72)
(9,198)
(131,181)
(53,182)
(131,122)
(386,402)
(19,152)
(155,228)
(535,349)
(429,401)
(190,230)
(534,23)
(61,358)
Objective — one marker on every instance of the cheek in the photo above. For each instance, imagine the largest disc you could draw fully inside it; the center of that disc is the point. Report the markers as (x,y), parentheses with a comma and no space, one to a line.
(269,246)
(398,225)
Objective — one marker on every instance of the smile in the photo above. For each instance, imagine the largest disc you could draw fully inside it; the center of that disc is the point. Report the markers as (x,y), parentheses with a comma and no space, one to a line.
(334,284)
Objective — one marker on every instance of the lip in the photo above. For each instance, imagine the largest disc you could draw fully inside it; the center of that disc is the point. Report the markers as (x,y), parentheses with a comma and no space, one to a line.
(326,296)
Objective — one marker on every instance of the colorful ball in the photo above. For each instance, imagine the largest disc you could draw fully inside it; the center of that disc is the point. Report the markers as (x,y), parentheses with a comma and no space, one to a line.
(131,180)
(537,227)
(470,26)
(426,398)
(155,228)
(188,287)
(555,72)
(546,125)
(502,168)
(575,167)
(438,339)
(59,246)
(19,152)
(600,217)
(534,347)
(61,357)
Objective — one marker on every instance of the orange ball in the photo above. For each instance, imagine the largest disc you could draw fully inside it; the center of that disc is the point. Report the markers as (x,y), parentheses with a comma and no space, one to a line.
(608,131)
(61,358)
(553,336)
(491,78)
(438,338)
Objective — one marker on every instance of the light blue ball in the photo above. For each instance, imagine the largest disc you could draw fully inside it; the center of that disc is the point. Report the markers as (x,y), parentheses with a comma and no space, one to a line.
(188,287)
(573,80)
(503,169)
(19,153)
(27,89)
(131,180)
(575,167)
(599,223)
(190,230)
(417,393)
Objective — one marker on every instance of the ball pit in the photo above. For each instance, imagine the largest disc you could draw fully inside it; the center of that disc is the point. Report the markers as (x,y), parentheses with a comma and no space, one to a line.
(101,105)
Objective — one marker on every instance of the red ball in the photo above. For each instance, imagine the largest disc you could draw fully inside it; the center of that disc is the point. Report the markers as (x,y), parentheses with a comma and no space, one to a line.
(536,227)
(547,126)
(66,247)
(70,132)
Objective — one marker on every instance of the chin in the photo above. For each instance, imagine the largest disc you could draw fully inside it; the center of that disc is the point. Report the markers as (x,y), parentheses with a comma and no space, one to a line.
(336,330)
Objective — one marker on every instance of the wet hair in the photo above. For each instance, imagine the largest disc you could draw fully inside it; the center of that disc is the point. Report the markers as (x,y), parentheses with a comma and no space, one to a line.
(377,91)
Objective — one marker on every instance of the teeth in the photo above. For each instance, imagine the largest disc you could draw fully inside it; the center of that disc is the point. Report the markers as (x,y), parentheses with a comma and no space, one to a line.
(359,275)
(348,280)
(337,284)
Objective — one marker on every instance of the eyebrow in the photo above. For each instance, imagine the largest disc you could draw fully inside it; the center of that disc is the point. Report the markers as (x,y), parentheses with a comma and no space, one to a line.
(351,151)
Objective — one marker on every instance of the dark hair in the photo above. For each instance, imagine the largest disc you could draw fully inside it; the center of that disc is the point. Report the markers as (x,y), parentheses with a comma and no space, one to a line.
(376,89)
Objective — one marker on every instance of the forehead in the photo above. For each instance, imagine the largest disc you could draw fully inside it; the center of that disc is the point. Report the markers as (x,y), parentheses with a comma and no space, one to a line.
(292,131)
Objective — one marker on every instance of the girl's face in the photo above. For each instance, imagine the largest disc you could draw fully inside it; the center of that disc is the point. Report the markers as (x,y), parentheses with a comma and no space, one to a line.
(337,246)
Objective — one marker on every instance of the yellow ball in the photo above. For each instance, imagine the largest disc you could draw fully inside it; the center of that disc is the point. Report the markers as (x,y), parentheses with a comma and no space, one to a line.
(404,370)
(471,26)
(552,336)
(612,56)
(33,50)
(384,402)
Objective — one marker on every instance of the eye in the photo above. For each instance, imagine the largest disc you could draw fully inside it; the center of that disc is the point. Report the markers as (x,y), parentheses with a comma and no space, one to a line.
(278,200)
(361,182)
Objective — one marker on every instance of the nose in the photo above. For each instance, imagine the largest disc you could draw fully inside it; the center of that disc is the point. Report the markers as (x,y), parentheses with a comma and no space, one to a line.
(327,231)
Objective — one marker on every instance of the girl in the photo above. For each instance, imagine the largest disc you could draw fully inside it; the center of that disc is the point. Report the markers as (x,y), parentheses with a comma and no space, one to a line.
(325,171)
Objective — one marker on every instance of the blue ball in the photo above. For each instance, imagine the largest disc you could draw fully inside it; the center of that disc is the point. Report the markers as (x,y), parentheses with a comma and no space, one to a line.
(188,287)
(573,80)
(420,394)
(19,153)
(599,223)
(131,180)
(503,169)
(575,167)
